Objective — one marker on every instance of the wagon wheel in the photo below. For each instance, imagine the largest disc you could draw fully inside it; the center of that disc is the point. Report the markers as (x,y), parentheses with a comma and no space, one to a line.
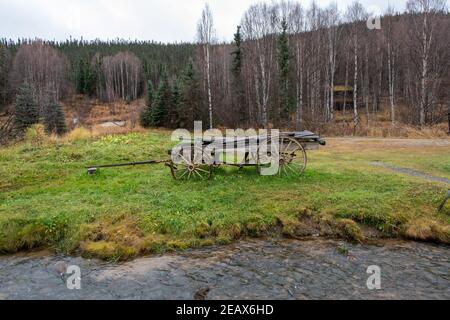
(190,165)
(292,158)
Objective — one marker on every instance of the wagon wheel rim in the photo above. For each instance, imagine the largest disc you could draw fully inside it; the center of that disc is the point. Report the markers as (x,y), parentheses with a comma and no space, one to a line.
(292,158)
(191,166)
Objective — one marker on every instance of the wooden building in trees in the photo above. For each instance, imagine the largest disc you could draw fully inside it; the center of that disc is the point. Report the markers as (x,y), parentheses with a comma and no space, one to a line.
(343,96)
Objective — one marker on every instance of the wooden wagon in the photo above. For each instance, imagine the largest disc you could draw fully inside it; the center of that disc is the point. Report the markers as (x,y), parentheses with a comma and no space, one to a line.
(197,159)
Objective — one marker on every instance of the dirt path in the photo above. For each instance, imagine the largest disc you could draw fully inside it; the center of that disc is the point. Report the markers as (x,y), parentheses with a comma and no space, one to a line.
(410,172)
(247,270)
(391,142)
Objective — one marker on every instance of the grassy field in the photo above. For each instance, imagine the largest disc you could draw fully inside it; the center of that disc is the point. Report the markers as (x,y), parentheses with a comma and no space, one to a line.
(48,201)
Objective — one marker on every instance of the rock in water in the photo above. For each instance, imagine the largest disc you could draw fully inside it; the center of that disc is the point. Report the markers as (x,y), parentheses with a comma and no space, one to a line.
(202,294)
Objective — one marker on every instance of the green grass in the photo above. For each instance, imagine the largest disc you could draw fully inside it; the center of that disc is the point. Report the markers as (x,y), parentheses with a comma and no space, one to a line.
(48,200)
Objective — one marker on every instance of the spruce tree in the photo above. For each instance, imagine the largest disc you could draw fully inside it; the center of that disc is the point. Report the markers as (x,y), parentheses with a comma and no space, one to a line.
(189,109)
(54,118)
(237,82)
(162,104)
(85,78)
(145,116)
(177,97)
(4,68)
(286,103)
(26,109)
(80,81)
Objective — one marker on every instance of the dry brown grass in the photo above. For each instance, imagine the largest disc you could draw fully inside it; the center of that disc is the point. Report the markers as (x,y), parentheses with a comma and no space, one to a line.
(79,133)
(427,229)
(91,112)
(99,131)
(383,129)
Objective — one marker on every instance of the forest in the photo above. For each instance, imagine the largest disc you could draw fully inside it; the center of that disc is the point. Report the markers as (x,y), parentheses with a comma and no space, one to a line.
(288,66)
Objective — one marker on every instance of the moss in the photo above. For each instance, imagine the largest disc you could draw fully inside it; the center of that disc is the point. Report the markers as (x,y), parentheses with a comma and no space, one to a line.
(153,244)
(100,249)
(107,250)
(206,243)
(223,240)
(177,245)
(256,228)
(230,232)
(202,230)
(342,250)
(350,230)
(293,228)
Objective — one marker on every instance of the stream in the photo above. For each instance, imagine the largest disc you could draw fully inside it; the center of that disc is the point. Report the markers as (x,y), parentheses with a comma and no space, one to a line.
(255,269)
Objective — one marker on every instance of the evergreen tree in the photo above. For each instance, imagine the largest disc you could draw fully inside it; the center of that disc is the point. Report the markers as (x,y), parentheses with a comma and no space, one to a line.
(54,118)
(177,97)
(237,83)
(4,68)
(145,116)
(85,80)
(80,81)
(97,76)
(285,96)
(26,109)
(162,102)
(189,110)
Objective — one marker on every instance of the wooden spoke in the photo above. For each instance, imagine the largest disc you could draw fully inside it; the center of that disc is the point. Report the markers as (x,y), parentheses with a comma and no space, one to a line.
(191,166)
(291,156)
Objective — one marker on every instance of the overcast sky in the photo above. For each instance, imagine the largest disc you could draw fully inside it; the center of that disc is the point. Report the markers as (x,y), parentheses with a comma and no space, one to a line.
(165,21)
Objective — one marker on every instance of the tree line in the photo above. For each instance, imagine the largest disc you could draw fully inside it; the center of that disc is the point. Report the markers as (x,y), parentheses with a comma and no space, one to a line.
(288,66)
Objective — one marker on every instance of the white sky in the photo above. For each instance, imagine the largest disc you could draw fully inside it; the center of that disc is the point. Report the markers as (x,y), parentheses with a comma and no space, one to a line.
(165,21)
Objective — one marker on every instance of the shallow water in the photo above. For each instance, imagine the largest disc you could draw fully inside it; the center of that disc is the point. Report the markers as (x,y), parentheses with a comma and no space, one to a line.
(313,269)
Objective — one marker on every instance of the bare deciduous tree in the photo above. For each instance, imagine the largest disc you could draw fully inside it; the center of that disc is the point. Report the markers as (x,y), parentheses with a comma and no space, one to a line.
(424,45)
(355,14)
(205,35)
(40,65)
(259,27)
(122,77)
(334,30)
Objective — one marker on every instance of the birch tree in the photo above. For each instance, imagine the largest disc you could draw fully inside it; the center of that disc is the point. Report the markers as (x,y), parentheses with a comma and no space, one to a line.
(391,57)
(423,32)
(259,26)
(333,37)
(298,27)
(205,36)
(355,14)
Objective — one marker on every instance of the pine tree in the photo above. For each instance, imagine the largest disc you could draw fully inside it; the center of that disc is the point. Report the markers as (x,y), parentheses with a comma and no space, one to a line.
(26,109)
(286,103)
(54,118)
(145,116)
(237,82)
